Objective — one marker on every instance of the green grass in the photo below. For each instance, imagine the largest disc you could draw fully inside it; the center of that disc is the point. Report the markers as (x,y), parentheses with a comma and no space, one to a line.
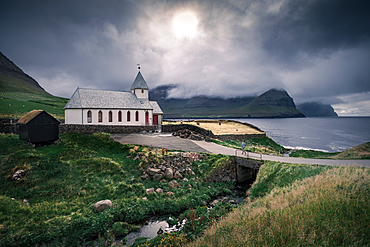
(17,104)
(264,145)
(311,154)
(330,208)
(64,180)
(361,151)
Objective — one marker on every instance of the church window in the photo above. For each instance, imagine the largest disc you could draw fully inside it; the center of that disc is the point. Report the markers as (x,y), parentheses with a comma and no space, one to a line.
(89,117)
(119,116)
(128,116)
(137,116)
(110,116)
(142,90)
(100,117)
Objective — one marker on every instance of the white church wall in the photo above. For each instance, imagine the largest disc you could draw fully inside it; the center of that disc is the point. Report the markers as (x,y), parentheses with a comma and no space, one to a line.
(115,112)
(73,116)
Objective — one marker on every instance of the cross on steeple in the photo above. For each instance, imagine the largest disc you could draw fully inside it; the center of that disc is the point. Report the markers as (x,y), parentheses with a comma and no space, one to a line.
(138,66)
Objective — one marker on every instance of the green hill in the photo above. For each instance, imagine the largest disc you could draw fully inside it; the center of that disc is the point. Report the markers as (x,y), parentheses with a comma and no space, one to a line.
(20,93)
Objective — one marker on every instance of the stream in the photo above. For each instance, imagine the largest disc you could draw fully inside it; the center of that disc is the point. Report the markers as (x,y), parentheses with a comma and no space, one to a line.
(155,223)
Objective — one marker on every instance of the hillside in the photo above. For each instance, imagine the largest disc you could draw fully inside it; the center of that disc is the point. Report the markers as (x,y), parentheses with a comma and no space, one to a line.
(20,93)
(273,103)
(316,109)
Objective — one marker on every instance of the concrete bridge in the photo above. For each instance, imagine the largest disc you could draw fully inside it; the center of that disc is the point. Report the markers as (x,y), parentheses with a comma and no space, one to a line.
(246,169)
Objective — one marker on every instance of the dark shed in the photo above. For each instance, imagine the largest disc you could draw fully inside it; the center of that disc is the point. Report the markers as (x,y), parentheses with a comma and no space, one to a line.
(38,126)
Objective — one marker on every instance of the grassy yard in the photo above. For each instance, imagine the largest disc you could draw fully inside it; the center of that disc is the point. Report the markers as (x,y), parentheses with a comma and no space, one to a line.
(225,128)
(299,205)
(64,180)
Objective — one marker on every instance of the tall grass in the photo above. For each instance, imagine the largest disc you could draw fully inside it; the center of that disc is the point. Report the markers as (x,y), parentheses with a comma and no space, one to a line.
(329,209)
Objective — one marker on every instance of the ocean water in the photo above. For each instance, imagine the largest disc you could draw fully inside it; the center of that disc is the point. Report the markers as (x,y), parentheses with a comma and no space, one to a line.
(329,134)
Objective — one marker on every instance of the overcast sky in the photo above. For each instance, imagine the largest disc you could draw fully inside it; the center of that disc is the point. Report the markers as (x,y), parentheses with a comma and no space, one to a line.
(317,50)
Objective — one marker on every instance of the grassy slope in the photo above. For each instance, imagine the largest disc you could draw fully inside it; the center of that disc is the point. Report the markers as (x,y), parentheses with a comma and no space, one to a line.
(18,98)
(264,145)
(359,152)
(327,209)
(64,180)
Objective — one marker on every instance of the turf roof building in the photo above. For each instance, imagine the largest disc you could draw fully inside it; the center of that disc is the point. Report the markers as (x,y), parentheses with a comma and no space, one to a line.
(101,107)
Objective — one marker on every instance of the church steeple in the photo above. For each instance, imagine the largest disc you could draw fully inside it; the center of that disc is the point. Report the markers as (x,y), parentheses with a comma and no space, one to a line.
(139,87)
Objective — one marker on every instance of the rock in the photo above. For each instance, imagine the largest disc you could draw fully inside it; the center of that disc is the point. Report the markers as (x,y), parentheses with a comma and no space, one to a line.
(174,184)
(185,180)
(157,177)
(224,200)
(208,139)
(104,204)
(232,201)
(214,203)
(163,181)
(144,176)
(192,173)
(150,191)
(163,168)
(177,175)
(169,193)
(18,174)
(144,198)
(189,185)
(159,190)
(153,171)
(169,173)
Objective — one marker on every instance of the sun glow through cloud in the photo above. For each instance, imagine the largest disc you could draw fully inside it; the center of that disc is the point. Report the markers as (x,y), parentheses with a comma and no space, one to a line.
(185,25)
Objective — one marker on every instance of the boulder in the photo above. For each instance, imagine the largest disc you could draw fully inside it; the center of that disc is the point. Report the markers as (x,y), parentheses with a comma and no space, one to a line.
(185,180)
(225,200)
(149,191)
(208,139)
(177,175)
(18,174)
(159,190)
(157,177)
(169,173)
(153,171)
(144,176)
(214,203)
(174,184)
(104,204)
(169,193)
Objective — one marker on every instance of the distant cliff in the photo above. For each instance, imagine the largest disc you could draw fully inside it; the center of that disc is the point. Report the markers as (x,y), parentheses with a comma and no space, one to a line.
(316,109)
(271,104)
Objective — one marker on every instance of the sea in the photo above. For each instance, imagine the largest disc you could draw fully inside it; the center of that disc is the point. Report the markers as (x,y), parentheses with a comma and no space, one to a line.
(327,134)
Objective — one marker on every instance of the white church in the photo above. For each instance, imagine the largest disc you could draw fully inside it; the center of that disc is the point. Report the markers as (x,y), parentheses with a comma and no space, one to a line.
(101,107)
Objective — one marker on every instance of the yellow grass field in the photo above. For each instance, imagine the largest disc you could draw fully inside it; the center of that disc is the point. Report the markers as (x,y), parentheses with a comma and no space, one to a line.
(221,127)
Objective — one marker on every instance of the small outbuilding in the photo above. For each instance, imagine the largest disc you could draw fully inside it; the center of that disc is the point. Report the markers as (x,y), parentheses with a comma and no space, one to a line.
(38,126)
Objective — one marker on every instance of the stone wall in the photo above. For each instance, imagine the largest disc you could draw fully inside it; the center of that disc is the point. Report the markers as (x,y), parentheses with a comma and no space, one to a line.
(12,128)
(204,132)
(78,128)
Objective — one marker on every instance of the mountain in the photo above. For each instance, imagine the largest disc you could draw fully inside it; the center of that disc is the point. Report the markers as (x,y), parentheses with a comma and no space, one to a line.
(316,109)
(273,103)
(20,93)
(13,79)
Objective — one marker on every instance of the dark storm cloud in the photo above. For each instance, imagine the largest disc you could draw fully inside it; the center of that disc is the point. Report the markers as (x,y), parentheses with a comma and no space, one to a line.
(316,50)
(317,27)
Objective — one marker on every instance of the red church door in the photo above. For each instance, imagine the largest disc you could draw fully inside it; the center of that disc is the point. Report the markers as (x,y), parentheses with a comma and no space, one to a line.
(155,119)
(146,118)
